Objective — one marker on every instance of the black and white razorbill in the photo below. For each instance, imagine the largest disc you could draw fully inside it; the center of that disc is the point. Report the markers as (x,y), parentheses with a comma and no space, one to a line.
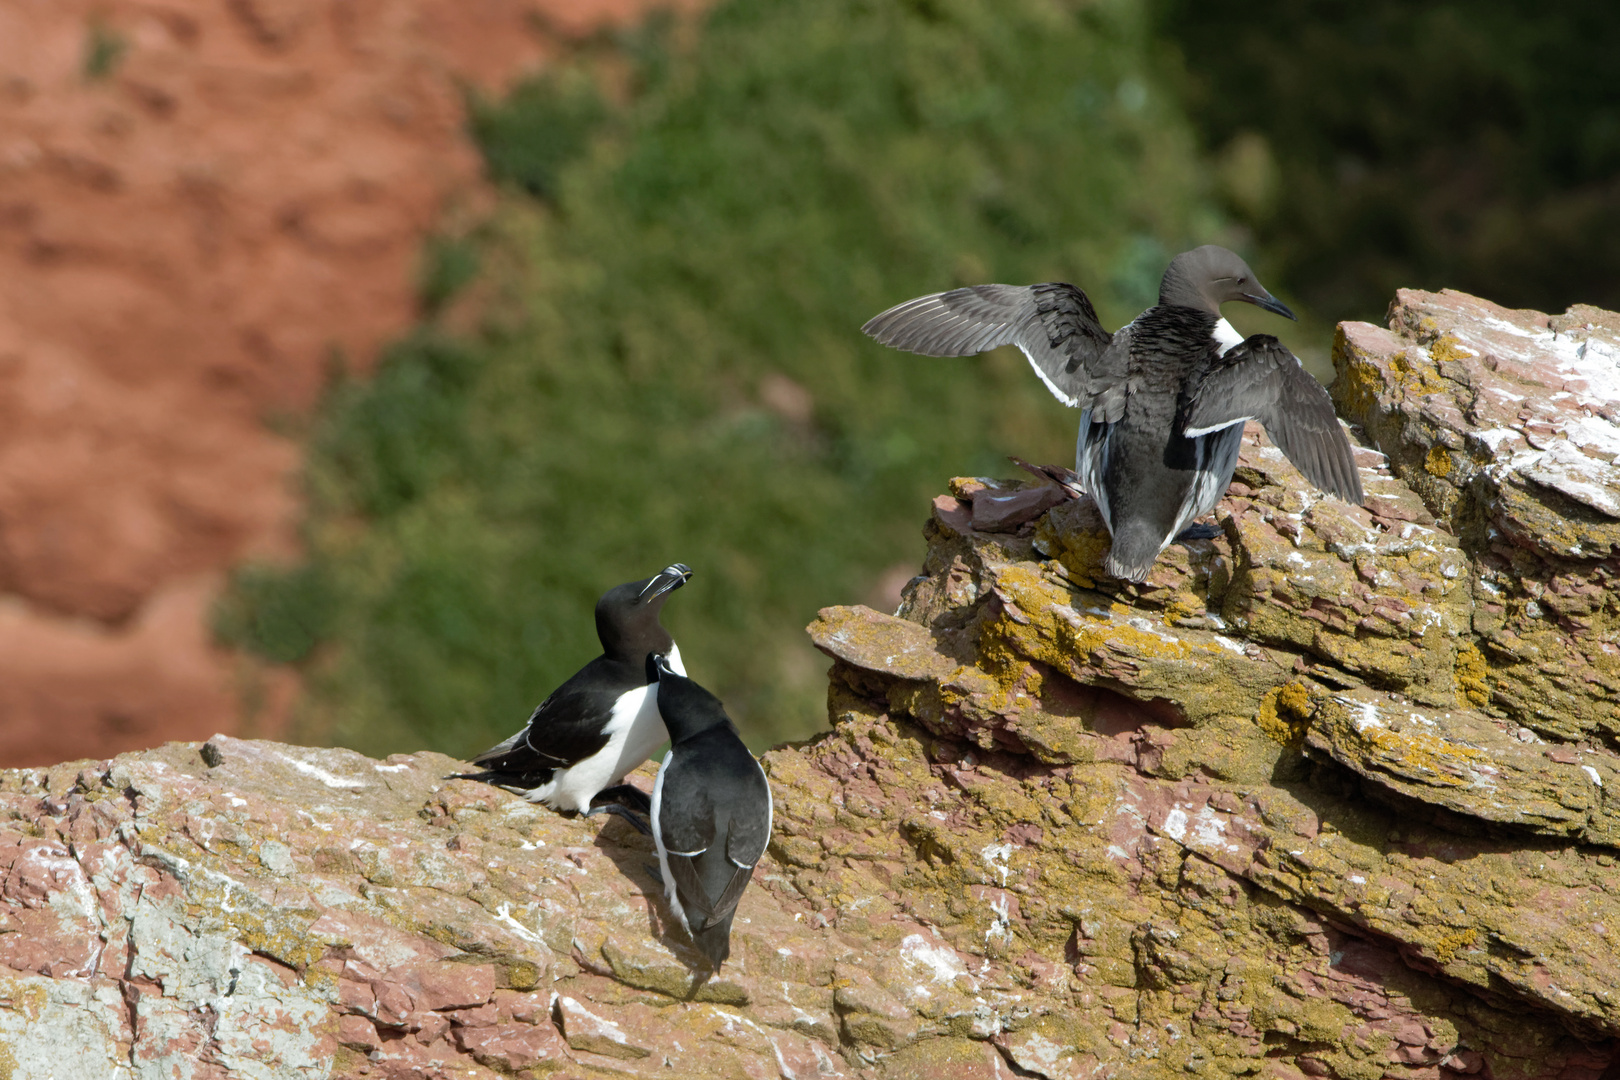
(1164,399)
(604,720)
(711,812)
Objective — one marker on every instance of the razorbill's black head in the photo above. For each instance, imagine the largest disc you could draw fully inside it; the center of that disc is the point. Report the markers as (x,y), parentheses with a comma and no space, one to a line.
(1164,399)
(602,722)
(711,813)
(627,615)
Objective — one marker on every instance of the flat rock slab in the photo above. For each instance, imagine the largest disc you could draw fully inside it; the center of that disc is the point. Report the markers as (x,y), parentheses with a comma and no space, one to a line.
(248,909)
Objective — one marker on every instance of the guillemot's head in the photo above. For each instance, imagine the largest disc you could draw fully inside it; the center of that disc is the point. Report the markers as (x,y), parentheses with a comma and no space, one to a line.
(1209,276)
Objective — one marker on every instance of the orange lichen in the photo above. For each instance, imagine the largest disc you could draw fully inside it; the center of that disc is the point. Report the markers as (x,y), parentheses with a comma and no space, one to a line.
(1453,942)
(1471,673)
(1285,713)
(1438,463)
(1447,348)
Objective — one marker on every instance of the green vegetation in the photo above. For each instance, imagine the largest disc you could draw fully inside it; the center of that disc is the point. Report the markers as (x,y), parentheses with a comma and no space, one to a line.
(669,365)
(104,49)
(1465,144)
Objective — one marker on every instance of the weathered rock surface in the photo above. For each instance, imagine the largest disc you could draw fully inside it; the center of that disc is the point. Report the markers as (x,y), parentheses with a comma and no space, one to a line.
(1279,811)
(1508,424)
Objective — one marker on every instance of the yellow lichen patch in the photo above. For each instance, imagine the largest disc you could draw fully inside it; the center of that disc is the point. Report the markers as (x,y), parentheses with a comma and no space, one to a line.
(1415,379)
(1080,551)
(1356,390)
(27,999)
(1180,608)
(1447,348)
(1471,673)
(1452,942)
(1295,699)
(1284,714)
(998,659)
(1419,751)
(1438,463)
(1094,636)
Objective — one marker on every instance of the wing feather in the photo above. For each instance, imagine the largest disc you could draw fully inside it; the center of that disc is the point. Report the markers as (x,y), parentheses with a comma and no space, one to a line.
(1261,380)
(1053,324)
(701,912)
(565,729)
(712,837)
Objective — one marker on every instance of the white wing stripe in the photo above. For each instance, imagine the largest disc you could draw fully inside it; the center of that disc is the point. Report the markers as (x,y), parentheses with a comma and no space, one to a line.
(1050,385)
(1193,433)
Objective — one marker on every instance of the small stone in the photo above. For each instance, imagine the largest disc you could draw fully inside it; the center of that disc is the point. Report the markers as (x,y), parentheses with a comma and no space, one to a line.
(586,1030)
(358,1032)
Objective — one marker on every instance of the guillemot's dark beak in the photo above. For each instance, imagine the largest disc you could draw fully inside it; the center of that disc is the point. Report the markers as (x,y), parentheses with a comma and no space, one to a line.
(656,666)
(1270,303)
(666,580)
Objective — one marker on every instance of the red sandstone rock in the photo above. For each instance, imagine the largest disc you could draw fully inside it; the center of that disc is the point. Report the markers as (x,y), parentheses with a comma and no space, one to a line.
(185,242)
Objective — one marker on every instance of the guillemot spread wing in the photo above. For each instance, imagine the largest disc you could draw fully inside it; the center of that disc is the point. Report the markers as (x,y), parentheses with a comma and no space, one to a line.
(1053,324)
(1261,380)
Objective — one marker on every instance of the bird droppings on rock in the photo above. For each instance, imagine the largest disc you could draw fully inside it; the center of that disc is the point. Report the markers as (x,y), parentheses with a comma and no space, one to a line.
(1524,408)
(1286,808)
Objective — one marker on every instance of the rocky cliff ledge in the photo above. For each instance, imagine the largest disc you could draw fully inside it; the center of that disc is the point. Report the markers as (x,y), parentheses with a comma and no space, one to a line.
(1326,796)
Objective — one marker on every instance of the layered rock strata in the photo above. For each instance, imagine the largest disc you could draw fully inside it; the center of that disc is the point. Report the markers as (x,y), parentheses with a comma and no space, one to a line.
(1300,805)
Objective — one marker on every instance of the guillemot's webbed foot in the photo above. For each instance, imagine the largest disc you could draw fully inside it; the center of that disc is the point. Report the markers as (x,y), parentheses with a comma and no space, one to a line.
(1196,531)
(621,811)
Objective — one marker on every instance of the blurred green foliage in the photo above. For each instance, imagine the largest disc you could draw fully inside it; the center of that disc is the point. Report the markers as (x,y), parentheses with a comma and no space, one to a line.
(104,50)
(1369,145)
(670,365)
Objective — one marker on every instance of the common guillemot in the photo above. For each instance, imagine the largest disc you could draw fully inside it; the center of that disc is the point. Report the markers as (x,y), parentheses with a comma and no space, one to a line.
(1164,399)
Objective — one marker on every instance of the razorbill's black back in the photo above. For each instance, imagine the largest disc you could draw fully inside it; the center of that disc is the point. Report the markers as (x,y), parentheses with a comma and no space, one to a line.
(711,812)
(1164,400)
(604,720)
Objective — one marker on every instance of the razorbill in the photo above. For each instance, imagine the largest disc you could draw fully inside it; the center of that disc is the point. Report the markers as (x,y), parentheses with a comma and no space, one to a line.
(1163,400)
(711,812)
(604,720)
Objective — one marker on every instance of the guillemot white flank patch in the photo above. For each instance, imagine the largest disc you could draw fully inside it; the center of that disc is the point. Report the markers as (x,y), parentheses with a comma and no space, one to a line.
(1226,336)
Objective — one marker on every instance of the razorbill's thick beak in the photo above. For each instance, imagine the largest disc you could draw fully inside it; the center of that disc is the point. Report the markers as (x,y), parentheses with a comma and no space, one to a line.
(669,578)
(1270,303)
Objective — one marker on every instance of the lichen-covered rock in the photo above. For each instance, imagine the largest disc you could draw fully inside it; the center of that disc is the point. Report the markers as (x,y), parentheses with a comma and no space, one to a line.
(243,909)
(1507,423)
(1290,808)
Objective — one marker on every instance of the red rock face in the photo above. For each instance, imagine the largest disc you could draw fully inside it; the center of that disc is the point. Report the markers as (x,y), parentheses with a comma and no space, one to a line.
(201,204)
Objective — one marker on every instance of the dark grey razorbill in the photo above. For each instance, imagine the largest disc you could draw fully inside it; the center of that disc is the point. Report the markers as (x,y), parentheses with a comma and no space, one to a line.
(711,812)
(1164,399)
(602,722)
